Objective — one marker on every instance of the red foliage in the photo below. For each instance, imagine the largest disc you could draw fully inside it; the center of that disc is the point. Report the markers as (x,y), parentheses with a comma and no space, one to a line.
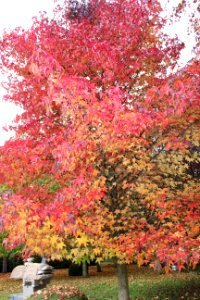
(102,149)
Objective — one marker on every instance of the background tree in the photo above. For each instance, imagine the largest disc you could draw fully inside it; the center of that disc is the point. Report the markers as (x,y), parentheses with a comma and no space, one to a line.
(100,163)
(7,255)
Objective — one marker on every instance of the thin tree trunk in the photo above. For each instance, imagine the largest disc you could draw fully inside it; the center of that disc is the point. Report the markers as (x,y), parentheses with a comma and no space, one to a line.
(122,275)
(158,266)
(84,269)
(98,268)
(5,265)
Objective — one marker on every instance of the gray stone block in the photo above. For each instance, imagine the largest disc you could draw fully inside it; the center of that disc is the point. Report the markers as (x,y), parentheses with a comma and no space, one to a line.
(17,297)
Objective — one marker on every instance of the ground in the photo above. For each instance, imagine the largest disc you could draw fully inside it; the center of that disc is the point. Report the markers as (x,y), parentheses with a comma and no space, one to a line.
(145,284)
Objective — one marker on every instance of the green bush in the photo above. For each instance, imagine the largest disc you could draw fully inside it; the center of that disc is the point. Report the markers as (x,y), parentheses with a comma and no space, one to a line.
(75,270)
(14,262)
(60,292)
(57,264)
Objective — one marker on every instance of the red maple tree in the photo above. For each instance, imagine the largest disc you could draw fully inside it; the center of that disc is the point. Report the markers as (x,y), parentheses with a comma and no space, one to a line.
(100,165)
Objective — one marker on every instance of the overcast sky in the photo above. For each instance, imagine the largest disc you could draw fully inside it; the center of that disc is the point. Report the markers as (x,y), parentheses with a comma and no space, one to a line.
(15,13)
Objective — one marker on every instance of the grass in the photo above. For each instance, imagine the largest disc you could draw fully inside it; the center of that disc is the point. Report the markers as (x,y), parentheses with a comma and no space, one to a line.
(145,284)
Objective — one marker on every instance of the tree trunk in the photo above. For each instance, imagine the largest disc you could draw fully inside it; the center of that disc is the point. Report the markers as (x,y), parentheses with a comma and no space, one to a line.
(84,269)
(5,265)
(158,266)
(122,275)
(98,268)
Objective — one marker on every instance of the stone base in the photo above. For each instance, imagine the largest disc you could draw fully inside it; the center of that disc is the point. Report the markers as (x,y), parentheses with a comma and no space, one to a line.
(17,297)
(30,290)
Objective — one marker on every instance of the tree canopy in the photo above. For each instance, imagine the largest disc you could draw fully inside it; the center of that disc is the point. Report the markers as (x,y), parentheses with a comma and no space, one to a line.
(101,163)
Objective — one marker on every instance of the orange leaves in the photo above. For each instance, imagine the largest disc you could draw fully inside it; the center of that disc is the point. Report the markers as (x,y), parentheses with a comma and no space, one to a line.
(140,259)
(195,231)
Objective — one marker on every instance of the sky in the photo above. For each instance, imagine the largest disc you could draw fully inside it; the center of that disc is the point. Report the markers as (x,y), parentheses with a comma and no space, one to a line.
(14,13)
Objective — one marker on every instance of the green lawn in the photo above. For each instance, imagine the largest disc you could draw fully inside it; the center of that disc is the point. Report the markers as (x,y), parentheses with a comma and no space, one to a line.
(144,284)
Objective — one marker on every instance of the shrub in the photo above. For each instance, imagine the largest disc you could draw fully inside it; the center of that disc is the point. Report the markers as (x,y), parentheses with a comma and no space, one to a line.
(56,264)
(60,292)
(75,270)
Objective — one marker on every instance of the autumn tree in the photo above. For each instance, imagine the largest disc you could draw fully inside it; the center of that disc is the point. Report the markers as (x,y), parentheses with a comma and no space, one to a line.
(6,254)
(100,167)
